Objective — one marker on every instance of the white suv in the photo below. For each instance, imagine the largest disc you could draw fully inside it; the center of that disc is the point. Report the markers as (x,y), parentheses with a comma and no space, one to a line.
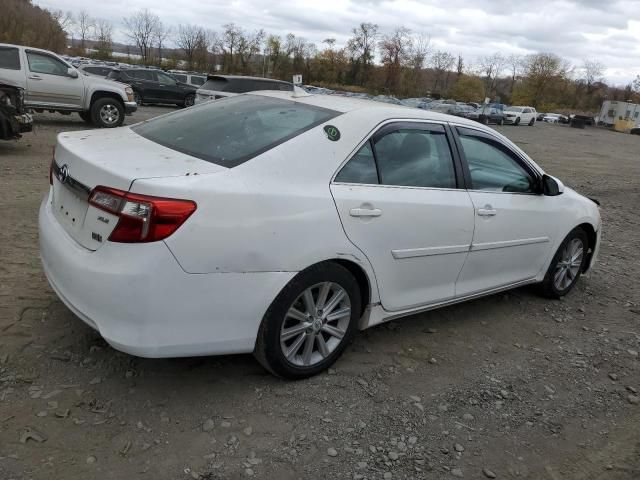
(520,115)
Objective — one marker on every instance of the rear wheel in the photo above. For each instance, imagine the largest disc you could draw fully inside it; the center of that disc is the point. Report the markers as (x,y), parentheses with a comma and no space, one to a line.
(310,323)
(189,100)
(107,113)
(567,265)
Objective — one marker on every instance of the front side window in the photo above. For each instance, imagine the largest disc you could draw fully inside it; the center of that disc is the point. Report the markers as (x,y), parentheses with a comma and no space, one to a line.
(42,63)
(493,167)
(180,78)
(142,75)
(196,81)
(9,58)
(231,131)
(415,158)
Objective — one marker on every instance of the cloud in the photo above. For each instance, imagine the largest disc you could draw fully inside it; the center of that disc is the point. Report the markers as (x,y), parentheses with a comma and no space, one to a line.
(608,31)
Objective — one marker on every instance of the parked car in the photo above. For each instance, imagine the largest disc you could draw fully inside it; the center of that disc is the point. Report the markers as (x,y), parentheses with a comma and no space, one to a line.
(414,102)
(190,78)
(635,130)
(221,86)
(491,113)
(540,116)
(465,111)
(98,70)
(52,84)
(211,230)
(555,118)
(520,115)
(155,86)
(14,119)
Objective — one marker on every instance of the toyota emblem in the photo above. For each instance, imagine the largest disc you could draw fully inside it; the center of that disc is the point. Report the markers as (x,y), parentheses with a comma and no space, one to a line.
(63,173)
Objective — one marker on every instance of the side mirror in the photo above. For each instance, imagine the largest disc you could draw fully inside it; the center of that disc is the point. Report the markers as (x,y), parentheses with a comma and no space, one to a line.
(551,186)
(72,72)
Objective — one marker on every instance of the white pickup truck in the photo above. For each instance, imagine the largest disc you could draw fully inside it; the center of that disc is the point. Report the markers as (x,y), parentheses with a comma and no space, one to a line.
(52,84)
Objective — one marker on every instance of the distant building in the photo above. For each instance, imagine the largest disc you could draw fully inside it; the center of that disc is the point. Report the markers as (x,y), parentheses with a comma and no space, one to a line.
(613,111)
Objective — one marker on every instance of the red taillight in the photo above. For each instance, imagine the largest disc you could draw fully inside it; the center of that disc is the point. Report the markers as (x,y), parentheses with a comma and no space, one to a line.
(142,218)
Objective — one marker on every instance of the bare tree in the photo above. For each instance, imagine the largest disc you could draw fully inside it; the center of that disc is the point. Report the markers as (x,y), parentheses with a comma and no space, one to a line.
(141,27)
(162,33)
(394,50)
(104,37)
(361,48)
(515,63)
(85,25)
(248,45)
(593,73)
(491,66)
(189,39)
(442,62)
(229,44)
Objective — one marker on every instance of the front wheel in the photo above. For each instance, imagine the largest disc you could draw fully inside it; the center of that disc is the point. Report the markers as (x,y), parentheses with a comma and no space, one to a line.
(517,122)
(310,323)
(567,265)
(107,113)
(532,122)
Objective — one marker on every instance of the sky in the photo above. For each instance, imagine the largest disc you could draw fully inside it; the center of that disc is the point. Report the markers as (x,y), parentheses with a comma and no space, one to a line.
(604,30)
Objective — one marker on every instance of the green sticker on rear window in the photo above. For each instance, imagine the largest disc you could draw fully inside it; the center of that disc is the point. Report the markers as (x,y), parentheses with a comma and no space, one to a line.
(332,132)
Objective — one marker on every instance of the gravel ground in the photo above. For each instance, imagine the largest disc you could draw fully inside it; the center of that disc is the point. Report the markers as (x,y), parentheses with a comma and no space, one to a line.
(509,386)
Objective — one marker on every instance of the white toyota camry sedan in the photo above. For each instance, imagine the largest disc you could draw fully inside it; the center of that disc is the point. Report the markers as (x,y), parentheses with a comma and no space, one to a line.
(281,225)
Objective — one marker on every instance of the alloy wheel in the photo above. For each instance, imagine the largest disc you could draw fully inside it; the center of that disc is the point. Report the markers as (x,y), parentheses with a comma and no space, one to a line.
(109,114)
(315,324)
(568,266)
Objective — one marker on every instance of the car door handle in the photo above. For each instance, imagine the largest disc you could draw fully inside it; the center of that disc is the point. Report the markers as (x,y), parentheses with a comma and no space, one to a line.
(365,212)
(35,77)
(487,211)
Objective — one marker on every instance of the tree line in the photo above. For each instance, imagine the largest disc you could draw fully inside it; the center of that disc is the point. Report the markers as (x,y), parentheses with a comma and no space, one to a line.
(401,62)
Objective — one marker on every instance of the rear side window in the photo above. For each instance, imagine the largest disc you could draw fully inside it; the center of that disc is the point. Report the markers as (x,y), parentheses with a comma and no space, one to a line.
(197,80)
(180,78)
(9,58)
(361,168)
(231,131)
(215,84)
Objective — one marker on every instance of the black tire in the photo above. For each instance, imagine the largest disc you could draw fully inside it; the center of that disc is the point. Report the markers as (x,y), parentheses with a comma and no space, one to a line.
(189,100)
(137,97)
(485,120)
(268,350)
(86,116)
(532,122)
(517,122)
(101,118)
(550,288)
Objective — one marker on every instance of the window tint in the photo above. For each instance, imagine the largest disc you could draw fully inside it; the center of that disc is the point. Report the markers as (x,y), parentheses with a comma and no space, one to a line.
(416,158)
(197,80)
(9,58)
(215,84)
(493,167)
(231,131)
(361,168)
(240,85)
(142,75)
(180,78)
(41,63)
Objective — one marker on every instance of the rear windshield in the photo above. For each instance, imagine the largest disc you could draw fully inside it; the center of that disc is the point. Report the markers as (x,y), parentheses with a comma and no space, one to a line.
(215,84)
(231,131)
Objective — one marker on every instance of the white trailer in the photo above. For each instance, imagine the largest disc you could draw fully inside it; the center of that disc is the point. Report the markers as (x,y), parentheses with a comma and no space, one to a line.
(613,110)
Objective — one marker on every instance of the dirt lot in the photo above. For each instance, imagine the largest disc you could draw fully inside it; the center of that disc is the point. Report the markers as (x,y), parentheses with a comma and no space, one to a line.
(513,384)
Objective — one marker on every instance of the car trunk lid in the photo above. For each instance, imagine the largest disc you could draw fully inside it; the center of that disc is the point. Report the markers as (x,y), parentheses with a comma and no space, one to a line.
(113,158)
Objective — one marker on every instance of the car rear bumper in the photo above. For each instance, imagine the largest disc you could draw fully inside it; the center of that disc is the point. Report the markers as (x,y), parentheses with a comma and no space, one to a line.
(143,303)
(130,107)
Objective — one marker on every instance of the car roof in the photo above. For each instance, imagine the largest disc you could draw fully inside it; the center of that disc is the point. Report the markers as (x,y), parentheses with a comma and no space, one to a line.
(378,111)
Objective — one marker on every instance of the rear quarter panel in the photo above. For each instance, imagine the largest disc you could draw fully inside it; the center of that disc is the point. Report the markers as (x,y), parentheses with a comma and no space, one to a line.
(272,213)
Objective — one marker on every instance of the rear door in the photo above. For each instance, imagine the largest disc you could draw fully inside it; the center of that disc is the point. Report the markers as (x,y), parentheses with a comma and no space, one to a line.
(513,236)
(400,203)
(49,84)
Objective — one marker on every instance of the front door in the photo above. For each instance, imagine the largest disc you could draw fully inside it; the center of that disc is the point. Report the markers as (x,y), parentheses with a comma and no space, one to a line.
(399,202)
(168,87)
(49,84)
(512,235)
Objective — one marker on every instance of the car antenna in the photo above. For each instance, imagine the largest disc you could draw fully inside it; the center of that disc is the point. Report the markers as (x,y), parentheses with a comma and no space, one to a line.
(298,91)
